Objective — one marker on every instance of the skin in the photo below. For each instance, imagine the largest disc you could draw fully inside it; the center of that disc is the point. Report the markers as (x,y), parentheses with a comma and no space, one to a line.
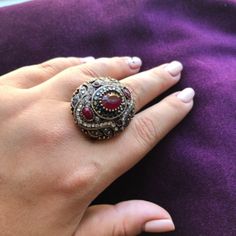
(50,172)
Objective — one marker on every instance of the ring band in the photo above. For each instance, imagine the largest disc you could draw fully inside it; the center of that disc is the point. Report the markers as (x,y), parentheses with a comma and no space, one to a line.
(102,107)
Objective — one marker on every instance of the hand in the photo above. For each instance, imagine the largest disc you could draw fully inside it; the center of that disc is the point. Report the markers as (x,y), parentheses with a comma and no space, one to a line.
(50,172)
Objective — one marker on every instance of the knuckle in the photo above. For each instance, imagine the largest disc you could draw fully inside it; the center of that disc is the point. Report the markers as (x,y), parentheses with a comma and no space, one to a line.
(48,67)
(88,70)
(161,73)
(122,64)
(83,179)
(119,230)
(119,227)
(145,129)
(119,61)
(155,72)
(174,104)
(72,61)
(90,174)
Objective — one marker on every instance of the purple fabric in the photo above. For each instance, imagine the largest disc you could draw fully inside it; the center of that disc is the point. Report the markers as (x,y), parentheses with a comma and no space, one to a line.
(192,172)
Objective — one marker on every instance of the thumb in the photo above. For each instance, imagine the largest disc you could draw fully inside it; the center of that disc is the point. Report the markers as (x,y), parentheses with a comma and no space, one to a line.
(127,218)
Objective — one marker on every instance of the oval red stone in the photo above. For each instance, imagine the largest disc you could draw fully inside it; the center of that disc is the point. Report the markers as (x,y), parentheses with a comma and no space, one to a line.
(87,113)
(111,101)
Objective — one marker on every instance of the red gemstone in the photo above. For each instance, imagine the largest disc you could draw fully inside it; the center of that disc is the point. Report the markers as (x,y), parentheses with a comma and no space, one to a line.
(111,101)
(87,113)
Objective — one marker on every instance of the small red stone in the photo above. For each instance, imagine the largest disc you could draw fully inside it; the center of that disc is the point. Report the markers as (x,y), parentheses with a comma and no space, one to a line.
(87,113)
(111,101)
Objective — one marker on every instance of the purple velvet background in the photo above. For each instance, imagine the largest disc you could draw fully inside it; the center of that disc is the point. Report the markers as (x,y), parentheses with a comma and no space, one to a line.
(192,172)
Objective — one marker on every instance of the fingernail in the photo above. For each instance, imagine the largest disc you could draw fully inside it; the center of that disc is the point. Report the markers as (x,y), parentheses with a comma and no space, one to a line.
(159,226)
(87,59)
(134,62)
(174,68)
(186,95)
(103,58)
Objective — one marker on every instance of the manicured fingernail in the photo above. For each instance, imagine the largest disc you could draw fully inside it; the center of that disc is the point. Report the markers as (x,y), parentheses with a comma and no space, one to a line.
(134,62)
(174,68)
(186,95)
(103,58)
(87,59)
(158,226)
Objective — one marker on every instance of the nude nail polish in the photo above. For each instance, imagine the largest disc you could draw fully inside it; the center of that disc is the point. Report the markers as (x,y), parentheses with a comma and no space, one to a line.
(174,68)
(134,62)
(87,59)
(158,226)
(186,95)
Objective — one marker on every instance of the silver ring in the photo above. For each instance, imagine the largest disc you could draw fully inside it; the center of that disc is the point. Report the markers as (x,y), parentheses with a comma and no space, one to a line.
(102,107)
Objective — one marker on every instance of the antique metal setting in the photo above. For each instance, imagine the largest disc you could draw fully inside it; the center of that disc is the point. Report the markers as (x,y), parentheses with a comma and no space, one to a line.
(102,107)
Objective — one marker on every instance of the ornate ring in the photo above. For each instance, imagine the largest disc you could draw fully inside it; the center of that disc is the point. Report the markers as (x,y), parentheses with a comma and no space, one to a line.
(102,107)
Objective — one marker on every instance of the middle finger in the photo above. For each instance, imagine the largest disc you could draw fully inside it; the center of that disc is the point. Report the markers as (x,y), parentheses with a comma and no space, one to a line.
(147,85)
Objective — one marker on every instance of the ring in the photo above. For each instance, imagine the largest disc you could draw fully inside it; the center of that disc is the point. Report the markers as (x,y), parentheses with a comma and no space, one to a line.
(102,107)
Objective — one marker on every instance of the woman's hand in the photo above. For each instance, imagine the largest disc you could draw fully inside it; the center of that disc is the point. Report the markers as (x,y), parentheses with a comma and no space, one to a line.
(50,172)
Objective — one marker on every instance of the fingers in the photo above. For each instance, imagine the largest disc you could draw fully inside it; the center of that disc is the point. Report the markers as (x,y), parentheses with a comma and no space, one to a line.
(29,76)
(151,125)
(145,130)
(64,84)
(126,218)
(149,84)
